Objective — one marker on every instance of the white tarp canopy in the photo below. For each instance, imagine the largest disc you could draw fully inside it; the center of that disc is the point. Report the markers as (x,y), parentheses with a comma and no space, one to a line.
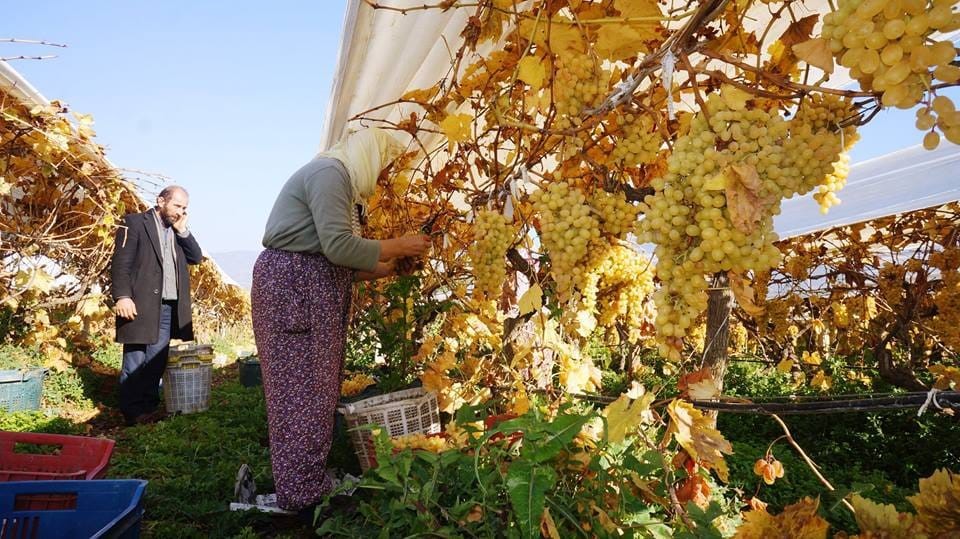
(384,53)
(905,180)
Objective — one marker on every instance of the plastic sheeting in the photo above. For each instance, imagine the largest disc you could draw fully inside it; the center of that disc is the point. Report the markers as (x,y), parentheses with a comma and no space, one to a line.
(898,182)
(383,54)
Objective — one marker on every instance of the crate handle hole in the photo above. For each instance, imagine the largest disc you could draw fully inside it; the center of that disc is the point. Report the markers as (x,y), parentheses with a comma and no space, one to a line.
(37,449)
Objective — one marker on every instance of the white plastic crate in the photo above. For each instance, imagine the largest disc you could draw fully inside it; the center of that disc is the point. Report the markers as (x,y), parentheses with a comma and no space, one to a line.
(186,385)
(402,412)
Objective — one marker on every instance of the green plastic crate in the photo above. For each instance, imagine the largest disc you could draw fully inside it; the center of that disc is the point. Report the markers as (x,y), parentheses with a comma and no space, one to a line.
(21,389)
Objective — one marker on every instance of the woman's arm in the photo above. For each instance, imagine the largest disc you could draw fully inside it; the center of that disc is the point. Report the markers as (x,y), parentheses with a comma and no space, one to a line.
(383,269)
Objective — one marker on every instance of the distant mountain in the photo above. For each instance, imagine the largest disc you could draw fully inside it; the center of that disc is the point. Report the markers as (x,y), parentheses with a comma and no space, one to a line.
(238,265)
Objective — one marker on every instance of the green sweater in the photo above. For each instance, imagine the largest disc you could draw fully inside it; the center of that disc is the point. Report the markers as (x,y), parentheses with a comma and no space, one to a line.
(312,214)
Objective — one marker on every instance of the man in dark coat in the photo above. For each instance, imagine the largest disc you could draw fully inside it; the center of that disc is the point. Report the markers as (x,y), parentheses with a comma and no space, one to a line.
(151,288)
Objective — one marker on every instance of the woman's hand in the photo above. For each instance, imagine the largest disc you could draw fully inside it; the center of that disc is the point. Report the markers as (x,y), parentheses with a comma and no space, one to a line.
(414,245)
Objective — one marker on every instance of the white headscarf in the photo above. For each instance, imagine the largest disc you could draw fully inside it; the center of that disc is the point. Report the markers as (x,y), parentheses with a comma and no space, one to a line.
(364,154)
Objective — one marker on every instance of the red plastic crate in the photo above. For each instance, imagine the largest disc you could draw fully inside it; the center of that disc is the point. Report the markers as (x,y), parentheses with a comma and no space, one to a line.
(74,457)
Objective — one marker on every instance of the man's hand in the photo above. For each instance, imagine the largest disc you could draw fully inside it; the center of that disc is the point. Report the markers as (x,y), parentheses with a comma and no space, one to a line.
(125,308)
(180,225)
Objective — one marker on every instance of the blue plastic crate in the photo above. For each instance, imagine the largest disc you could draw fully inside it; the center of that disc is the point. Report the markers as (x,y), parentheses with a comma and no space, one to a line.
(71,509)
(21,389)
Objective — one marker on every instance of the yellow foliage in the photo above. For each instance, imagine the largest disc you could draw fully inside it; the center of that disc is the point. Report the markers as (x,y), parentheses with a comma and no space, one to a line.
(797,521)
(696,434)
(938,502)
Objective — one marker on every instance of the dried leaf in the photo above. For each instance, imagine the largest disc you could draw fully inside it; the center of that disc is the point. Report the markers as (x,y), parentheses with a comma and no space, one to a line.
(744,295)
(815,52)
(799,31)
(704,389)
(548,528)
(745,203)
(694,489)
(696,434)
(785,365)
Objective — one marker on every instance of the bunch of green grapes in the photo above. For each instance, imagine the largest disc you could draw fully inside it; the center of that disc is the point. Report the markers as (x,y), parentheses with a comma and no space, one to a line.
(493,234)
(617,215)
(624,280)
(942,114)
(579,84)
(888,47)
(826,195)
(567,226)
(730,150)
(816,148)
(639,141)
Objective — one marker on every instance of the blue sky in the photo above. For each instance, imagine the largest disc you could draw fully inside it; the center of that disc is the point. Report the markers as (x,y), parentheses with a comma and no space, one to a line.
(225,98)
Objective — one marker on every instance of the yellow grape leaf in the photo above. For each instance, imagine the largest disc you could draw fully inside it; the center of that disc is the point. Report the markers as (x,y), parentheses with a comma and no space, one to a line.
(563,35)
(815,52)
(548,528)
(947,377)
(821,381)
(883,520)
(531,300)
(532,71)
(703,390)
(624,416)
(4,187)
(938,503)
(696,434)
(622,41)
(797,521)
(744,295)
(734,97)
(423,95)
(744,202)
(811,359)
(456,127)
(638,8)
(580,375)
(586,323)
(785,365)
(36,280)
(89,306)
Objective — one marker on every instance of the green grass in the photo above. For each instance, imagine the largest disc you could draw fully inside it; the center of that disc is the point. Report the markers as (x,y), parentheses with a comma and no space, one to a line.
(191,462)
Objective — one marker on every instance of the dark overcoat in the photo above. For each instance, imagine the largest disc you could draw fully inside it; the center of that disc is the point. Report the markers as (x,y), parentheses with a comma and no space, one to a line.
(136,272)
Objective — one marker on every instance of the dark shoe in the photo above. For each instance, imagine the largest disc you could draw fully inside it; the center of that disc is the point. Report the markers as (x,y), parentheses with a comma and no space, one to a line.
(307,515)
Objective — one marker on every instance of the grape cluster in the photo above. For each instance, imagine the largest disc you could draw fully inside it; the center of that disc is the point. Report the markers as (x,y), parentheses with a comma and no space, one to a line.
(639,141)
(731,149)
(888,47)
(493,234)
(617,215)
(616,286)
(577,87)
(567,226)
(941,113)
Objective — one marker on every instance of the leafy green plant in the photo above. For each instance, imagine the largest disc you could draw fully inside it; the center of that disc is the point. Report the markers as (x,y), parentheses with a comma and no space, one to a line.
(513,478)
(387,331)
